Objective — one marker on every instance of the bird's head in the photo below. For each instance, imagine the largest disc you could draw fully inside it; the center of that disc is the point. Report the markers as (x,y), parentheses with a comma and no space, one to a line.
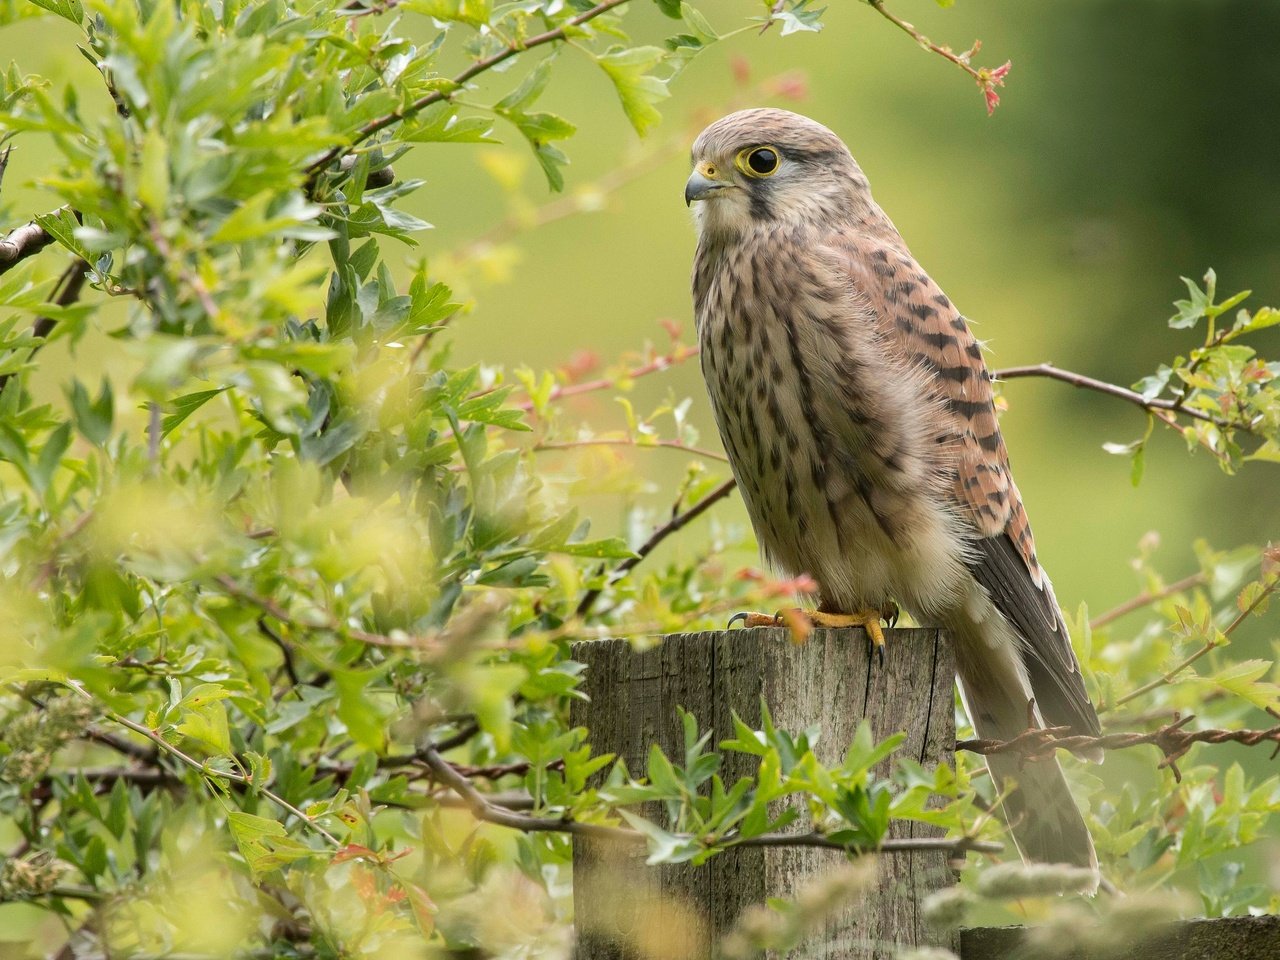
(762,167)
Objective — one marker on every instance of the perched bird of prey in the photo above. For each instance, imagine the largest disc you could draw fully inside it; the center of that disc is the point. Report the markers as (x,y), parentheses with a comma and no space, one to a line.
(857,413)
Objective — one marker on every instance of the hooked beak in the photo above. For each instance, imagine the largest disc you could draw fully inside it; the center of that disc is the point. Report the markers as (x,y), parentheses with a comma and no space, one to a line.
(700,186)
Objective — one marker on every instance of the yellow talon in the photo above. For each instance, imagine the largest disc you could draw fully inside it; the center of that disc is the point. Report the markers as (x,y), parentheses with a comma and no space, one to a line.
(797,620)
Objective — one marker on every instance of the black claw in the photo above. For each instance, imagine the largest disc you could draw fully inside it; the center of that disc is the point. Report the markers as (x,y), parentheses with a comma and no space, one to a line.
(881,652)
(735,618)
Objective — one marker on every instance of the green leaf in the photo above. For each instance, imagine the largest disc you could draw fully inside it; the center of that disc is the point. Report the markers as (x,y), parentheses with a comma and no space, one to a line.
(440,123)
(661,774)
(474,12)
(265,844)
(183,407)
(1260,319)
(262,215)
(637,89)
(50,457)
(62,226)
(363,715)
(1191,311)
(800,19)
(611,548)
(153,182)
(72,10)
(664,846)
(538,128)
(1244,680)
(208,724)
(670,7)
(93,418)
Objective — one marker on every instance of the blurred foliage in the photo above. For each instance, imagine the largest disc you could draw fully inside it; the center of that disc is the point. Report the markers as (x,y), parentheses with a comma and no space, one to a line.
(289,556)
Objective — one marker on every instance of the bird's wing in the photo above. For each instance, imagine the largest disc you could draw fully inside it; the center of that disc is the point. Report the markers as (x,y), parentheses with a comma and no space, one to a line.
(918,317)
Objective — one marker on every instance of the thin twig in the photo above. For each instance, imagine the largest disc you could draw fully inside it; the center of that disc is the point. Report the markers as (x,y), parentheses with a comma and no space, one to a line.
(628,442)
(272,608)
(1166,410)
(679,354)
(205,769)
(315,169)
(1146,598)
(673,525)
(960,60)
(1209,644)
(120,745)
(464,733)
(986,78)
(773,15)
(482,809)
(286,654)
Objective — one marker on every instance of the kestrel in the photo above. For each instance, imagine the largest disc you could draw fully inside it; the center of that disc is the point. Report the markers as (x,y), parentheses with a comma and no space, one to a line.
(857,413)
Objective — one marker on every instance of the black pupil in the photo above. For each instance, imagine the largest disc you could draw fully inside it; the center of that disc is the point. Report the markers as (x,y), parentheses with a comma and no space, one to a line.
(762,160)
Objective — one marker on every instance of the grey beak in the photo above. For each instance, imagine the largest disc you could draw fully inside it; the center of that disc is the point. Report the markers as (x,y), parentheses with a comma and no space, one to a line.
(700,187)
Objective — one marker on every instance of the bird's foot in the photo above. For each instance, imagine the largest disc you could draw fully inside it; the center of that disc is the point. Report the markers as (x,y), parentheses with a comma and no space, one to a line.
(802,622)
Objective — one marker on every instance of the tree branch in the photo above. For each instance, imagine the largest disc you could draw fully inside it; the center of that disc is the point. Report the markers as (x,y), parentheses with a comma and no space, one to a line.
(987,79)
(436,96)
(1146,598)
(1211,643)
(1165,409)
(26,241)
(673,525)
(482,809)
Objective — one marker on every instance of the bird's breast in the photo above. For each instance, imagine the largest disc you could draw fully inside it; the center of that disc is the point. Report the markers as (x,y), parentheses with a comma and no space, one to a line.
(803,400)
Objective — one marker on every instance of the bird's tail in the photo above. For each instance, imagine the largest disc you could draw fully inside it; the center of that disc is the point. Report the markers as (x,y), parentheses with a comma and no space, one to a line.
(1042,815)
(1046,823)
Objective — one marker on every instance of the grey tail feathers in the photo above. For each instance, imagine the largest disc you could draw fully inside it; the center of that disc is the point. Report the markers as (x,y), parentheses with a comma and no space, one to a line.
(1046,823)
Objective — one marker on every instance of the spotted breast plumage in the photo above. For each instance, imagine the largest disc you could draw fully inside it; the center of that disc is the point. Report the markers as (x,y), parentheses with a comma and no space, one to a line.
(857,413)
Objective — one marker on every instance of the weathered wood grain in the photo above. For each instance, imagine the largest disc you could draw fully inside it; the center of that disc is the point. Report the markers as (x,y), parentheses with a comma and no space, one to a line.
(832,681)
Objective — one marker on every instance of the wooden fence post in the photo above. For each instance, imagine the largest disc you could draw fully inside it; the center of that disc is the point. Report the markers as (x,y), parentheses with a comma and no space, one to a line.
(830,680)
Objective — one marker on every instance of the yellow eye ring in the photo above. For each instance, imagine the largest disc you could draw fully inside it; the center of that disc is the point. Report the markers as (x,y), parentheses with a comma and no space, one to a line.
(759,162)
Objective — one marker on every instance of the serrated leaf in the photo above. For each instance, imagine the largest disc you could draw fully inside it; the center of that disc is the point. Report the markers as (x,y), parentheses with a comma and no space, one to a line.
(637,89)
(800,19)
(1244,680)
(62,226)
(265,844)
(183,407)
(441,123)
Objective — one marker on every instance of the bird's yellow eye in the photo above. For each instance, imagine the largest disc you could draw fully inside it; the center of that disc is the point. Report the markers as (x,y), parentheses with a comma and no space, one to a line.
(758,161)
